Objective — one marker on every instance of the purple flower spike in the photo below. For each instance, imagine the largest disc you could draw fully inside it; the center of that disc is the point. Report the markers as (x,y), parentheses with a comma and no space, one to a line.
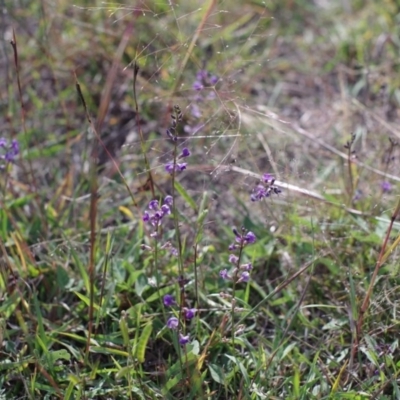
(183,339)
(190,312)
(224,274)
(169,300)
(173,323)
(3,142)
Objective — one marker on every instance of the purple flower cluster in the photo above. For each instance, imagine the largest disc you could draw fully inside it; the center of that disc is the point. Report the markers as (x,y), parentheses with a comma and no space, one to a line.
(265,189)
(8,150)
(241,273)
(174,166)
(204,79)
(155,214)
(173,322)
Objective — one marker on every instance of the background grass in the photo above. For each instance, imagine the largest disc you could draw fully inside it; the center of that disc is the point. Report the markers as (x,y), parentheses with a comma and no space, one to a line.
(81,311)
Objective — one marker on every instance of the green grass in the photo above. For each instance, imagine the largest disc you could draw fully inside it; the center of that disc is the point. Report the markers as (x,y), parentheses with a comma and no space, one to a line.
(82,278)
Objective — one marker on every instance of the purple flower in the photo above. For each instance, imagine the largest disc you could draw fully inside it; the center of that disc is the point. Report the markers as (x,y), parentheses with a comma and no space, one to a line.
(386,186)
(146,216)
(183,339)
(214,79)
(202,75)
(267,178)
(168,200)
(153,205)
(190,312)
(179,167)
(224,274)
(244,277)
(259,192)
(9,151)
(244,239)
(250,238)
(165,209)
(173,251)
(198,86)
(185,153)
(170,167)
(169,300)
(233,259)
(246,267)
(173,323)
(156,214)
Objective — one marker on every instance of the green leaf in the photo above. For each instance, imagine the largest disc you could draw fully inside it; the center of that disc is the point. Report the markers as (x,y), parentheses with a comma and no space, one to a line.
(144,338)
(216,373)
(179,188)
(63,354)
(86,300)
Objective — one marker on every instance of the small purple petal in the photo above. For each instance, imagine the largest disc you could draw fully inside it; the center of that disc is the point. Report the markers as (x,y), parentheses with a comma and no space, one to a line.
(181,166)
(250,237)
(185,153)
(165,209)
(146,217)
(183,339)
(246,267)
(214,79)
(224,274)
(386,186)
(15,147)
(170,168)
(169,300)
(198,86)
(267,178)
(173,251)
(153,205)
(244,277)
(168,200)
(233,259)
(201,75)
(190,312)
(173,323)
